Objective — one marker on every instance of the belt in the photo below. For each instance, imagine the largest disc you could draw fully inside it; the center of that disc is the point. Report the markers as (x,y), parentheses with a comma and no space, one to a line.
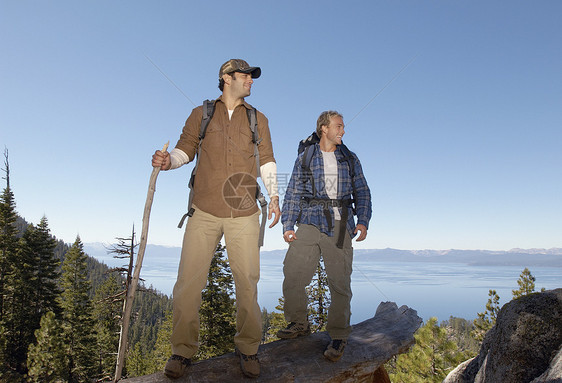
(326,203)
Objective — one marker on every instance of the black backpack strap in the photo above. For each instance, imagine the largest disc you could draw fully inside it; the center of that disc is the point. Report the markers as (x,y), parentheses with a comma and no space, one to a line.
(343,225)
(325,204)
(305,165)
(307,147)
(208,111)
(347,156)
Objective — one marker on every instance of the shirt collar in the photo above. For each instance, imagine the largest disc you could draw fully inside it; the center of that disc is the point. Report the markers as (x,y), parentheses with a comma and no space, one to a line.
(246,105)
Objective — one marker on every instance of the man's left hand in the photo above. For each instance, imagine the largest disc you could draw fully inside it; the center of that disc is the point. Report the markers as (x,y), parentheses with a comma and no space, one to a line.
(274,209)
(363,231)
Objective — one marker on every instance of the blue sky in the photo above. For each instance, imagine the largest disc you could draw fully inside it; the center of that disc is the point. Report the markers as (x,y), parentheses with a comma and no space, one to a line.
(461,150)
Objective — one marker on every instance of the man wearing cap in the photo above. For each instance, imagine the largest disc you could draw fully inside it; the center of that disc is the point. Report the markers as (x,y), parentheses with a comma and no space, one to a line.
(226,156)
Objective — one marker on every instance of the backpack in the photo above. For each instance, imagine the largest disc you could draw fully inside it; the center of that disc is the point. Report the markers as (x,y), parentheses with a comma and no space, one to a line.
(208,111)
(307,147)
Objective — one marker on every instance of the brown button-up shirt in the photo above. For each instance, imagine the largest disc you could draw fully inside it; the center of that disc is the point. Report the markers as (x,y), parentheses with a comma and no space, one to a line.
(225,183)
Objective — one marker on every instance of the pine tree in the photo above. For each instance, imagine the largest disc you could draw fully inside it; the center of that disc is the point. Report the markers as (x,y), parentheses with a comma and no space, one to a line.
(265,324)
(526,284)
(77,323)
(46,355)
(3,352)
(275,322)
(460,331)
(32,291)
(41,245)
(138,363)
(318,304)
(8,236)
(430,359)
(217,313)
(107,311)
(20,283)
(8,249)
(487,319)
(20,322)
(318,300)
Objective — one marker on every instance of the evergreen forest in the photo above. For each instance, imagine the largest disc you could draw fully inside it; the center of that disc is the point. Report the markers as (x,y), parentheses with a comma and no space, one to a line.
(61,313)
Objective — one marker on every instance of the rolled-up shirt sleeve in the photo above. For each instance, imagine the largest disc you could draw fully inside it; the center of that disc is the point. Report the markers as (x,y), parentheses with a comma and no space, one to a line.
(265,146)
(178,158)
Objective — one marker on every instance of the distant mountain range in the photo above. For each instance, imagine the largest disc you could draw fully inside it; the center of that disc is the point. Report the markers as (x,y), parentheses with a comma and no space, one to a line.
(513,257)
(160,264)
(167,256)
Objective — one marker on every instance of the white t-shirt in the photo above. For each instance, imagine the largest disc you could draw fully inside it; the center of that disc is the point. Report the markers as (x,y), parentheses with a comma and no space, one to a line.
(331,178)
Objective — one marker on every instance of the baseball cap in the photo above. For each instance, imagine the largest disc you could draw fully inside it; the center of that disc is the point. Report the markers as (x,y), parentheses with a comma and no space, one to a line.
(238,65)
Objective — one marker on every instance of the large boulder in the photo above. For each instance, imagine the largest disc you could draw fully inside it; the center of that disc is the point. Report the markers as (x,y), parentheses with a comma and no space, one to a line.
(525,344)
(554,372)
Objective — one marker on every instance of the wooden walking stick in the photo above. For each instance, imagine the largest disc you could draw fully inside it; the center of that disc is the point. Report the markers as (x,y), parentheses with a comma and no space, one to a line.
(130,293)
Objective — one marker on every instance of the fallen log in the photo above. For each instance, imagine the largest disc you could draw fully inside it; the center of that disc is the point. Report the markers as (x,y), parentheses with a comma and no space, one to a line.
(373,342)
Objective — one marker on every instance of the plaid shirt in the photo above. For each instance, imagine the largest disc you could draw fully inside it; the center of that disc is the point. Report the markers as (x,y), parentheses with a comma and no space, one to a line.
(295,210)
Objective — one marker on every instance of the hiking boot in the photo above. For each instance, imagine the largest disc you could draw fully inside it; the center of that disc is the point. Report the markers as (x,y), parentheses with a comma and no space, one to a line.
(176,366)
(293,330)
(334,351)
(249,364)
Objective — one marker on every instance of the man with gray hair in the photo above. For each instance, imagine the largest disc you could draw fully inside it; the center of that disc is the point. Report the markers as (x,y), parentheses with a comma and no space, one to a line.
(231,152)
(326,189)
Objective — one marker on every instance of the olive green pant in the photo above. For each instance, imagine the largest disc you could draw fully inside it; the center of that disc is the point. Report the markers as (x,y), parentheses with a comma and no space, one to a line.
(202,234)
(300,264)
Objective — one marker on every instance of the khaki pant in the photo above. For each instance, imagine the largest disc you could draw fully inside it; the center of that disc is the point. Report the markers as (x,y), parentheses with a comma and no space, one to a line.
(202,234)
(300,265)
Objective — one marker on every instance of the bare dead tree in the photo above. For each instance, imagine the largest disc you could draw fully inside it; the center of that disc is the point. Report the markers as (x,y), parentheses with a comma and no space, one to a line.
(128,302)
(6,170)
(124,249)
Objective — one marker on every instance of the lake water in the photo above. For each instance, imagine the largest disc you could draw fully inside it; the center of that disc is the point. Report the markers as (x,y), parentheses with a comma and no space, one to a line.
(432,289)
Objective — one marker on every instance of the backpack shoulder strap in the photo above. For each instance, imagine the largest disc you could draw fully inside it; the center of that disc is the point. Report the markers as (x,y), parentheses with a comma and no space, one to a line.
(347,156)
(306,146)
(307,158)
(253,120)
(208,111)
(305,165)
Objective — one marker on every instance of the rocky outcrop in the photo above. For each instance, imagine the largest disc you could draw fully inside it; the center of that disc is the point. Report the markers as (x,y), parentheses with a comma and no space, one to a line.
(524,345)
(554,372)
(371,344)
